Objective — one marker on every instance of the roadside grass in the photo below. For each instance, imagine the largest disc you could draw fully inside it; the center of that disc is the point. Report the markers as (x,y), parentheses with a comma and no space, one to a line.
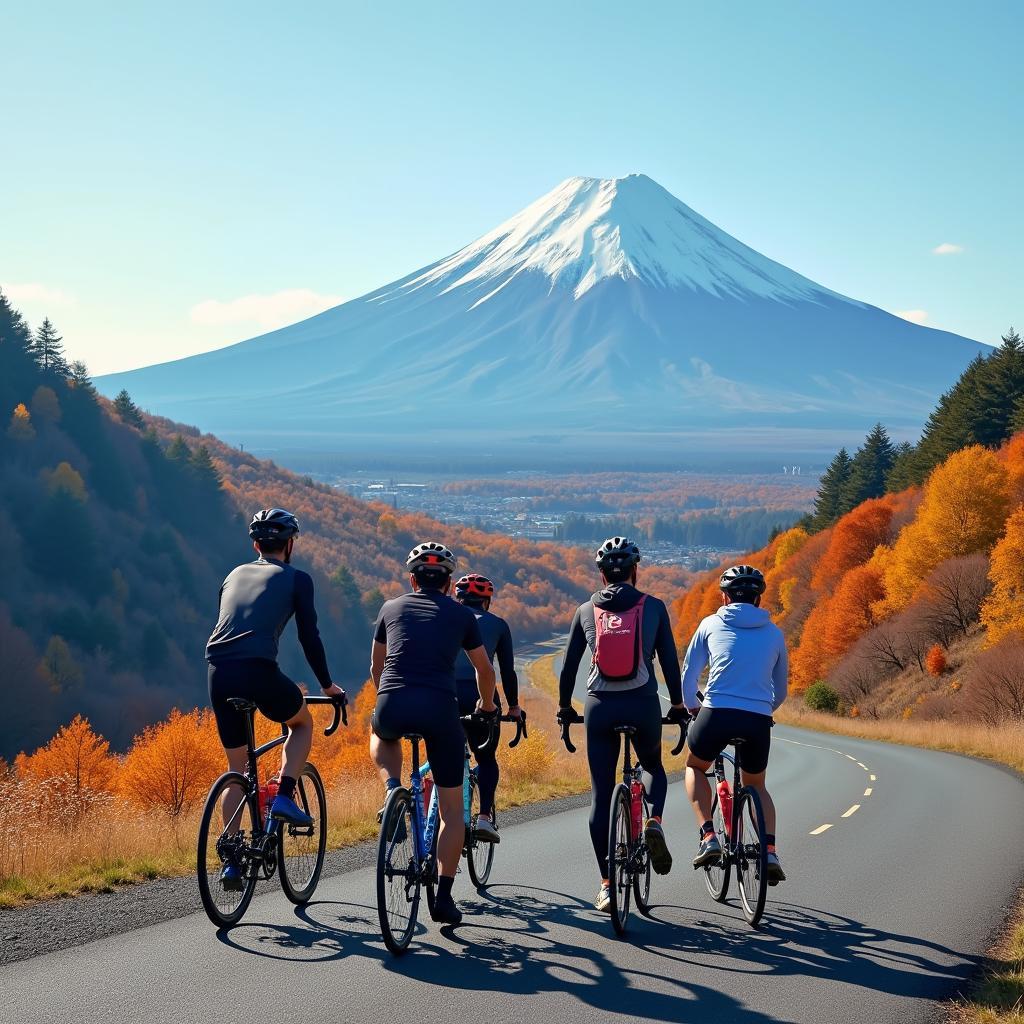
(68,851)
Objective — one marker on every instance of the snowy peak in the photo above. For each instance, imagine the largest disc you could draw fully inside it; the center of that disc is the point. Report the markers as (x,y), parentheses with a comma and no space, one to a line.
(590,229)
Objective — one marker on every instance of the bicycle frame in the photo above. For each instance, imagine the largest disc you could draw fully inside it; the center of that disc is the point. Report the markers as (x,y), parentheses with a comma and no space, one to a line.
(425,826)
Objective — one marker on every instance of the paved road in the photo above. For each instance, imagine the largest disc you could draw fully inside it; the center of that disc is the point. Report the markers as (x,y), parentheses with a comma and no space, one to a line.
(891,906)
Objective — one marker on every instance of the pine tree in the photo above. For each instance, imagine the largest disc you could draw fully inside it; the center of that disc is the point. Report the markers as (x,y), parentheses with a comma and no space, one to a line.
(830,491)
(178,451)
(870,468)
(1000,388)
(17,366)
(901,473)
(128,410)
(80,380)
(206,474)
(48,349)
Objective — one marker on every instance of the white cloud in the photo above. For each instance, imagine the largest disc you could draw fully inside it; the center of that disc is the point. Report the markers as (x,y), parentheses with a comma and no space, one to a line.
(915,316)
(948,249)
(266,311)
(36,293)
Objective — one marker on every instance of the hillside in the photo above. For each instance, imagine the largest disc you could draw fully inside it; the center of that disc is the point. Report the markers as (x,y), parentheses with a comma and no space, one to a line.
(606,316)
(910,604)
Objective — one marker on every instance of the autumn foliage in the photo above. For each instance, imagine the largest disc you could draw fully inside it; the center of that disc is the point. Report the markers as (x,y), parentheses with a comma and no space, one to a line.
(935,660)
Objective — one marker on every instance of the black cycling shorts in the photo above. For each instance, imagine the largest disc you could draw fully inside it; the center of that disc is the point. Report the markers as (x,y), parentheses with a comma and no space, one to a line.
(258,680)
(714,728)
(432,714)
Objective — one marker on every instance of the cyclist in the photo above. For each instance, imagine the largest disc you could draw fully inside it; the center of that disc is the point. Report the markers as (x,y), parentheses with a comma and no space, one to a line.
(256,601)
(748,676)
(415,643)
(476,592)
(624,629)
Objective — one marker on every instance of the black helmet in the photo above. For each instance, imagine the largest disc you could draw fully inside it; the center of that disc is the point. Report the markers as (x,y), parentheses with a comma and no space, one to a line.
(273,524)
(431,556)
(617,553)
(742,579)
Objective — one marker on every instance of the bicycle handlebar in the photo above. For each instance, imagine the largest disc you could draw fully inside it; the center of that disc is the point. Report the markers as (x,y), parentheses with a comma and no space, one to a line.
(340,710)
(569,722)
(479,718)
(683,728)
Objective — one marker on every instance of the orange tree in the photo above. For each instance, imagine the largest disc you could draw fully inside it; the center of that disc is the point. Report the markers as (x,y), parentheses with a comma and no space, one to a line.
(1003,611)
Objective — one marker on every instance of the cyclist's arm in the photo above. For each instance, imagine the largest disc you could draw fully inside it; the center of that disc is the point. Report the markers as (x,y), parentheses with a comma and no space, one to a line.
(695,661)
(309,634)
(780,677)
(479,659)
(668,658)
(573,654)
(379,650)
(505,653)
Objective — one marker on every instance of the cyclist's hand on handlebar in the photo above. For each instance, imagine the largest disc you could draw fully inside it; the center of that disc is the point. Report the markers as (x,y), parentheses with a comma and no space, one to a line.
(515,711)
(568,716)
(334,690)
(678,715)
(486,711)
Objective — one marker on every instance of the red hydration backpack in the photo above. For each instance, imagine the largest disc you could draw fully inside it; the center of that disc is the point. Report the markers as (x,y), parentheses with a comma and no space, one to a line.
(618,645)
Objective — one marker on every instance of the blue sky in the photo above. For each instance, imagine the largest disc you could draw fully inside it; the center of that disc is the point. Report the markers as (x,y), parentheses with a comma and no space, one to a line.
(175,178)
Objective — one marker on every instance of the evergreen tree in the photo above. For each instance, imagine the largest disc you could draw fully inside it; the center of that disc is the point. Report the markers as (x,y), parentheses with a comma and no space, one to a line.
(999,390)
(870,468)
(79,379)
(207,478)
(48,349)
(901,474)
(830,491)
(128,410)
(178,451)
(17,367)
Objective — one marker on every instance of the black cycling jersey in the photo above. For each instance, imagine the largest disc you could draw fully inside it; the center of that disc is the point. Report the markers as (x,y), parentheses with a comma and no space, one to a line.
(657,640)
(424,632)
(256,601)
(497,638)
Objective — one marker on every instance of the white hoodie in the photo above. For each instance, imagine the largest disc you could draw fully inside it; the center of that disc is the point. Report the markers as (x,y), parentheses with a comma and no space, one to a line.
(746,655)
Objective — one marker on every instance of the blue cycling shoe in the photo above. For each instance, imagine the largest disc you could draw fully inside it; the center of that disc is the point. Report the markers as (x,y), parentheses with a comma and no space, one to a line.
(231,877)
(285,809)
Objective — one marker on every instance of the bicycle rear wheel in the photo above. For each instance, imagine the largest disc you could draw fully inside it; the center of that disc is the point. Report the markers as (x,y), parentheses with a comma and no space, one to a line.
(642,867)
(752,871)
(302,849)
(220,844)
(479,856)
(619,840)
(398,875)
(716,876)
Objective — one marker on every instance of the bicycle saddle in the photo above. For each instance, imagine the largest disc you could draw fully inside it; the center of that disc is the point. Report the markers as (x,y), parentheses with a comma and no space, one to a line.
(241,704)
(626,730)
(411,736)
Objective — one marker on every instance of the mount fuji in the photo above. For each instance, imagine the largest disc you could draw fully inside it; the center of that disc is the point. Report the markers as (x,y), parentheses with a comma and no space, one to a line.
(604,313)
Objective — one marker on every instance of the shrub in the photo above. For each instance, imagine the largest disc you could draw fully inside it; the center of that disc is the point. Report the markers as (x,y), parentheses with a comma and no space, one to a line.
(821,697)
(935,660)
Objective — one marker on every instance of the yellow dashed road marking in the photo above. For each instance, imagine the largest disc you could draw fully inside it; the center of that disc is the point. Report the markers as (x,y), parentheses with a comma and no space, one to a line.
(861,764)
(867,792)
(821,828)
(853,810)
(873,778)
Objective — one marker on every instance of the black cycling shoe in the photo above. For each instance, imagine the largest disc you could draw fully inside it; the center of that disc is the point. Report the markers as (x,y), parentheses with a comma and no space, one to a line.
(710,851)
(445,911)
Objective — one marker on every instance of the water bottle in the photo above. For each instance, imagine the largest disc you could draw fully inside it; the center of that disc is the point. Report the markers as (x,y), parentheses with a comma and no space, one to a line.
(428,788)
(725,802)
(636,806)
(267,792)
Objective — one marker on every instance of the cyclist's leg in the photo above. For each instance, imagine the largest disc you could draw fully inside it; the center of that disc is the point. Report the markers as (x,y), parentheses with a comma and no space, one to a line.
(227,679)
(705,743)
(753,757)
(647,743)
(386,728)
(602,758)
(445,742)
(487,771)
(280,700)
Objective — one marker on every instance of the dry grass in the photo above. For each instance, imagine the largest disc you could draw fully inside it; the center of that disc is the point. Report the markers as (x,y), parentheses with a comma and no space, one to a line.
(52,845)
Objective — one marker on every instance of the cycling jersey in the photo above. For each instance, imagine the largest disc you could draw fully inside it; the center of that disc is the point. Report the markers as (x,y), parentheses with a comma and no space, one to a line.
(745,653)
(497,641)
(256,601)
(424,632)
(656,640)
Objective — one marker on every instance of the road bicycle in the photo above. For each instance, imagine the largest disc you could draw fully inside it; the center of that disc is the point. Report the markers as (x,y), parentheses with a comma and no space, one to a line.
(738,818)
(407,846)
(629,861)
(256,843)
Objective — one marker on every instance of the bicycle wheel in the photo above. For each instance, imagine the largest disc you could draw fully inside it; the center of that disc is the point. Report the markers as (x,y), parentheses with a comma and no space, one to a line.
(479,856)
(716,876)
(752,872)
(220,843)
(398,876)
(642,868)
(301,850)
(619,839)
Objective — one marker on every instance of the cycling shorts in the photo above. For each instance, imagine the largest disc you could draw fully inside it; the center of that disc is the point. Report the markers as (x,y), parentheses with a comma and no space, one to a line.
(255,679)
(714,728)
(432,714)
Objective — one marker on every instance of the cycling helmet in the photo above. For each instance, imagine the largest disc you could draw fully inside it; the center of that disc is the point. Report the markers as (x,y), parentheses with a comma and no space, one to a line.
(617,553)
(431,556)
(273,524)
(742,579)
(474,588)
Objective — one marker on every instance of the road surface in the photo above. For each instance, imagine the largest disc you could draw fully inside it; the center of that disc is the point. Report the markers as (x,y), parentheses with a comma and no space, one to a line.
(888,907)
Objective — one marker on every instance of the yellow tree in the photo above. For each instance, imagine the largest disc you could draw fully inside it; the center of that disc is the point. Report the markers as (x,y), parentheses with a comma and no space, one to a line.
(789,543)
(1003,612)
(20,428)
(965,503)
(76,761)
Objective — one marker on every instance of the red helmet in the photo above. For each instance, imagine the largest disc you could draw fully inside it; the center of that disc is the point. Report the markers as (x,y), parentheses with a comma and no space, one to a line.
(474,587)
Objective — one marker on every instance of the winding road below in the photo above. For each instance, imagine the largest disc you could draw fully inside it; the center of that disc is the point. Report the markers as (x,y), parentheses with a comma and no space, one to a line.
(888,908)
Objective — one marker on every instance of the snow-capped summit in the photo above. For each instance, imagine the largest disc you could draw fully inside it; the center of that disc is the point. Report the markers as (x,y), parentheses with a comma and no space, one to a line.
(606,314)
(589,229)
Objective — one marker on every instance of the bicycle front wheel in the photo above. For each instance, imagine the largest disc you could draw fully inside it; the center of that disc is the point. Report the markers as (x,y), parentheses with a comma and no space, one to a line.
(716,876)
(398,875)
(642,867)
(479,856)
(752,851)
(619,842)
(225,845)
(302,849)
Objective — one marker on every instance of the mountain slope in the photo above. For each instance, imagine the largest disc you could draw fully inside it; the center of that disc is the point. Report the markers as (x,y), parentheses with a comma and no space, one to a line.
(605,306)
